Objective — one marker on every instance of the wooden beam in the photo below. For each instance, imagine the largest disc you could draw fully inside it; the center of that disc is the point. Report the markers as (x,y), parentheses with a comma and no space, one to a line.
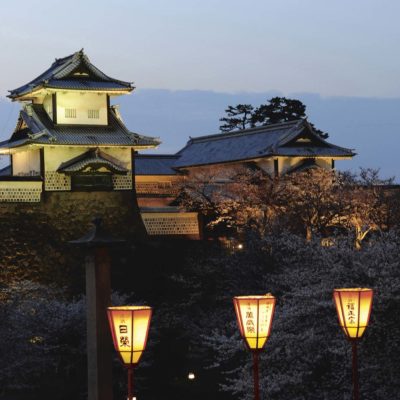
(54,105)
(276,167)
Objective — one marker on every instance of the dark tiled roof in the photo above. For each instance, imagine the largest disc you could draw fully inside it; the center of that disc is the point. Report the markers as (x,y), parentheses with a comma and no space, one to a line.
(250,144)
(93,158)
(6,171)
(61,75)
(82,84)
(41,130)
(155,164)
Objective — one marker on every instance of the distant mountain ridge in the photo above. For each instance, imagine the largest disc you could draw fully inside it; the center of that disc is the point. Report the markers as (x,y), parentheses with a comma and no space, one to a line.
(368,125)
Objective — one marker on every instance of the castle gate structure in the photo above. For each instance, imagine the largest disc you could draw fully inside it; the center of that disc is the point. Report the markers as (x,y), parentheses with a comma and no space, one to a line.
(71,151)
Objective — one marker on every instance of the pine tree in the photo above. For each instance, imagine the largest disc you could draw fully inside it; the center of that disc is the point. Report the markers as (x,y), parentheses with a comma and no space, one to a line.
(238,117)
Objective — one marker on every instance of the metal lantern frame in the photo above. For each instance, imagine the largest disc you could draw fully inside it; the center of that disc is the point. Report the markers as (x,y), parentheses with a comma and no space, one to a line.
(112,313)
(260,340)
(354,330)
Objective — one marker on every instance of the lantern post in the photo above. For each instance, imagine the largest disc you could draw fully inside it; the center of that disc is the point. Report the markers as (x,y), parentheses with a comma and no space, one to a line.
(254,316)
(129,326)
(98,298)
(353,306)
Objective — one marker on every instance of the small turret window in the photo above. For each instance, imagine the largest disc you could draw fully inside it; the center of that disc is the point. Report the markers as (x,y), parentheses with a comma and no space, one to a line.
(70,113)
(93,114)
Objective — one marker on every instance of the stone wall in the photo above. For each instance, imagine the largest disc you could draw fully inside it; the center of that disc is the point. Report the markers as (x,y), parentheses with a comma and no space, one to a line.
(34,236)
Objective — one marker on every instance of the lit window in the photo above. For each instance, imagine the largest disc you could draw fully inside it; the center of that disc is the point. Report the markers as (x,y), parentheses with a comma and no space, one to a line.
(70,113)
(93,114)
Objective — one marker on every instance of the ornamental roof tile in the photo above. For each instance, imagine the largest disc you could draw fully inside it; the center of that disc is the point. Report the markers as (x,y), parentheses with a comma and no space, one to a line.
(72,72)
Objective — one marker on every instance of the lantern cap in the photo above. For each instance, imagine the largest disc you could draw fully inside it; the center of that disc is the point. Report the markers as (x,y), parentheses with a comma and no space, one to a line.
(256,297)
(128,308)
(352,290)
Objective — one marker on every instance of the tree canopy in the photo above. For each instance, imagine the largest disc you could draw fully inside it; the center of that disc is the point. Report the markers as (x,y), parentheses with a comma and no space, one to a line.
(275,110)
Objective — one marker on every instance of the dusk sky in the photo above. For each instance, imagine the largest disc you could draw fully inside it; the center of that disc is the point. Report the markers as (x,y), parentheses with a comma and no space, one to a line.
(299,48)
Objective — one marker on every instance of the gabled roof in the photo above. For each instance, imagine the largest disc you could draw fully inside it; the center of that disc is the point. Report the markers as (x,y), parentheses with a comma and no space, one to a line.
(94,159)
(35,126)
(283,139)
(72,72)
(155,164)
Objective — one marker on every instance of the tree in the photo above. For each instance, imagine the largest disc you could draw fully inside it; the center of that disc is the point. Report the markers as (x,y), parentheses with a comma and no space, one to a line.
(276,110)
(238,117)
(279,109)
(234,200)
(313,199)
(368,206)
(307,356)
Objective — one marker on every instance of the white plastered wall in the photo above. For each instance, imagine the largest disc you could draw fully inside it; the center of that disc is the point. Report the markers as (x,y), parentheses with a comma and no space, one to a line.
(286,163)
(26,162)
(81,102)
(48,105)
(267,165)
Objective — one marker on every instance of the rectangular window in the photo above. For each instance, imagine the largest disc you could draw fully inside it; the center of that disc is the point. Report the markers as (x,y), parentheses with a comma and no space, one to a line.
(70,113)
(91,182)
(93,114)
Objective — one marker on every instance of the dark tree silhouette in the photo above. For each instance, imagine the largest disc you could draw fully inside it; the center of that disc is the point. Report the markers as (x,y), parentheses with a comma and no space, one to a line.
(279,109)
(238,117)
(276,110)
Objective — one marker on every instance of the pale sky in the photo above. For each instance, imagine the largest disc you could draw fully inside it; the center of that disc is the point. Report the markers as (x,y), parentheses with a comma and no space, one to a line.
(332,48)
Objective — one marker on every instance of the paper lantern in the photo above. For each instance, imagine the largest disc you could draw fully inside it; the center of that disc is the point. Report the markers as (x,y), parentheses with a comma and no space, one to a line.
(353,307)
(254,315)
(129,329)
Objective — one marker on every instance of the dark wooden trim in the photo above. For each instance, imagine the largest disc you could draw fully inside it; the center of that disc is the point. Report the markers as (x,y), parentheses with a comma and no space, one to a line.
(42,172)
(276,167)
(11,164)
(54,105)
(333,163)
(21,178)
(108,108)
(133,170)
(41,154)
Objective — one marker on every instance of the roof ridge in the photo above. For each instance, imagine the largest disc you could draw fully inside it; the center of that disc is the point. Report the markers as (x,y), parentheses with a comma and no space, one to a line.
(157,155)
(60,69)
(243,132)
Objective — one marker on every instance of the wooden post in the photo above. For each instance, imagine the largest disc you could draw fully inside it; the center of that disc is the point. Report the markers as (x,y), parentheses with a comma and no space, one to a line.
(356,388)
(256,375)
(98,298)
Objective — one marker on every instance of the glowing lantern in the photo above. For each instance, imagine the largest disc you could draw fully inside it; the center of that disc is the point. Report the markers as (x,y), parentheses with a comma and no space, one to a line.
(191,376)
(353,307)
(254,315)
(129,329)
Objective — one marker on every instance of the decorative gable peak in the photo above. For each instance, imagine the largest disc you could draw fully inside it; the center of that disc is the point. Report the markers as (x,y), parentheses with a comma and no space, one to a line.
(74,72)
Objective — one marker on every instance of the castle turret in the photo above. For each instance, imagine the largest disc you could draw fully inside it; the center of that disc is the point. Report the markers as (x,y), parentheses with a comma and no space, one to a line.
(67,134)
